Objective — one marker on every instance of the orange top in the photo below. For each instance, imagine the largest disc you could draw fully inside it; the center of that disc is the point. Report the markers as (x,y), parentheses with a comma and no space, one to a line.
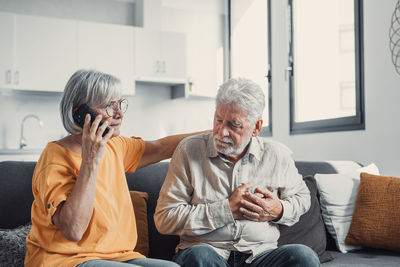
(111,233)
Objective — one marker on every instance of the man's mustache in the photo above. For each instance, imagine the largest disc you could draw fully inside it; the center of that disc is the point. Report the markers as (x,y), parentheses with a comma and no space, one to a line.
(225,139)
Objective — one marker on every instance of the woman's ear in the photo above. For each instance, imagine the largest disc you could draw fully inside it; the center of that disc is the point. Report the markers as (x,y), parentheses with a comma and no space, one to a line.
(257,127)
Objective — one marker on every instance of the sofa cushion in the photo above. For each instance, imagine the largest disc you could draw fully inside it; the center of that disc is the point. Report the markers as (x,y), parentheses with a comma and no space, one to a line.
(310,229)
(139,201)
(376,218)
(16,193)
(150,179)
(337,199)
(307,168)
(367,257)
(12,245)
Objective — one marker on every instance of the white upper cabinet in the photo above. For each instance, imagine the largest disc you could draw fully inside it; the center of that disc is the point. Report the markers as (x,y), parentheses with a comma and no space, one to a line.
(108,48)
(148,53)
(160,56)
(7,50)
(173,54)
(45,53)
(41,53)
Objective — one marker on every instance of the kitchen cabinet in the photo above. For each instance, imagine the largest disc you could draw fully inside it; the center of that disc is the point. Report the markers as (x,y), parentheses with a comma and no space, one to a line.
(160,55)
(7,50)
(45,53)
(173,54)
(34,55)
(41,53)
(108,48)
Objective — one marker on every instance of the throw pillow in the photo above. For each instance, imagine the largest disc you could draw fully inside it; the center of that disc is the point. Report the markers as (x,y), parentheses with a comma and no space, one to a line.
(337,199)
(12,245)
(376,218)
(310,229)
(139,202)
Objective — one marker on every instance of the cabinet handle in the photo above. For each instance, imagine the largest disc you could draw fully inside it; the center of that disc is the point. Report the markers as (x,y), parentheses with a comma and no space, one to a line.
(8,76)
(164,69)
(16,77)
(288,73)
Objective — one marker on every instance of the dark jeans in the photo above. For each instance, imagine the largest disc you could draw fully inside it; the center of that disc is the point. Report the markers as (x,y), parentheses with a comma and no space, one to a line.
(284,256)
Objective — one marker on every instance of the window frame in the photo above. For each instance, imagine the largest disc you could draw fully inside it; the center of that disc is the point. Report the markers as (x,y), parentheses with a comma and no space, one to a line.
(266,130)
(349,123)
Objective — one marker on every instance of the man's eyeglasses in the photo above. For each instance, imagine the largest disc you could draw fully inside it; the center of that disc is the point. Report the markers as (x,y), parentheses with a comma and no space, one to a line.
(114,106)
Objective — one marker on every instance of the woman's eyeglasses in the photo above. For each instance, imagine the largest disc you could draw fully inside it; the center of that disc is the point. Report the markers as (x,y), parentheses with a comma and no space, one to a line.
(114,106)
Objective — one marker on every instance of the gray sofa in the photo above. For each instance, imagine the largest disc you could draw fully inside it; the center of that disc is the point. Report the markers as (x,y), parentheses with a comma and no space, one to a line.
(16,199)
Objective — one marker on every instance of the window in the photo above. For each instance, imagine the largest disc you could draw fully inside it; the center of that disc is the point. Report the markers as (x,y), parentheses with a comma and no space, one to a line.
(325,66)
(250,49)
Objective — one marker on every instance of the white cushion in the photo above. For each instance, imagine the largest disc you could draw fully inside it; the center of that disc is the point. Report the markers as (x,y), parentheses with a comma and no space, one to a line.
(338,194)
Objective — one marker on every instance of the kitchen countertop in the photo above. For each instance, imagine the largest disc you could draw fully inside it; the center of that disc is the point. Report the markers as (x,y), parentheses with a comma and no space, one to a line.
(16,151)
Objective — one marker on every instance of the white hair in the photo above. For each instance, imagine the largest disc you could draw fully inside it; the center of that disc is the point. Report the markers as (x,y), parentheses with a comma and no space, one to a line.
(245,93)
(92,87)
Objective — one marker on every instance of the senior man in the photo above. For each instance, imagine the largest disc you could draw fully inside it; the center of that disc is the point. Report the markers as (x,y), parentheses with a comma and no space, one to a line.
(226,191)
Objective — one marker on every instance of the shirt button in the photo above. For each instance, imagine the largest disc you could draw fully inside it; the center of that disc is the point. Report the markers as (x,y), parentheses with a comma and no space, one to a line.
(48,206)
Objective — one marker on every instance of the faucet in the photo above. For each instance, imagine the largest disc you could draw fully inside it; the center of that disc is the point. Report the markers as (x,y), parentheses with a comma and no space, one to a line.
(22,141)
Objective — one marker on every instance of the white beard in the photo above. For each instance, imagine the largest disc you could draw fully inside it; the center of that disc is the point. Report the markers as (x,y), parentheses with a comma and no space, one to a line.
(227,148)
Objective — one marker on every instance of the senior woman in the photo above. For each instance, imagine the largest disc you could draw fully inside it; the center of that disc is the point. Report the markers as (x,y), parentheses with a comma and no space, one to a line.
(82,213)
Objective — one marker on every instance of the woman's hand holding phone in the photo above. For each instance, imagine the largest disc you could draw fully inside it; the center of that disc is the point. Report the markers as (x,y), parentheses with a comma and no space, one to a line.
(80,114)
(93,141)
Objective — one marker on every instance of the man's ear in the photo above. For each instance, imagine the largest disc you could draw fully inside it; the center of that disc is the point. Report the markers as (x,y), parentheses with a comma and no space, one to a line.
(257,128)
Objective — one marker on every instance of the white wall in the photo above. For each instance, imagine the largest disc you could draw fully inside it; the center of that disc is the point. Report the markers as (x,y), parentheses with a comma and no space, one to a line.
(380,141)
(14,107)
(151,115)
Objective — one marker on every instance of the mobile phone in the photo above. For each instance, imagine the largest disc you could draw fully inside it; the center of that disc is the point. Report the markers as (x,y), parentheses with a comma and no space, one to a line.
(80,114)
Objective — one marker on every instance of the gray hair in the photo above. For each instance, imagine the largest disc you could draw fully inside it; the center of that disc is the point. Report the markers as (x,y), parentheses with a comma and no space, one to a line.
(245,93)
(92,87)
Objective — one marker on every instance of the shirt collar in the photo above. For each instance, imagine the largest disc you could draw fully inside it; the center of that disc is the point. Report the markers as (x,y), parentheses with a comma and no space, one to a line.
(255,148)
(211,151)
